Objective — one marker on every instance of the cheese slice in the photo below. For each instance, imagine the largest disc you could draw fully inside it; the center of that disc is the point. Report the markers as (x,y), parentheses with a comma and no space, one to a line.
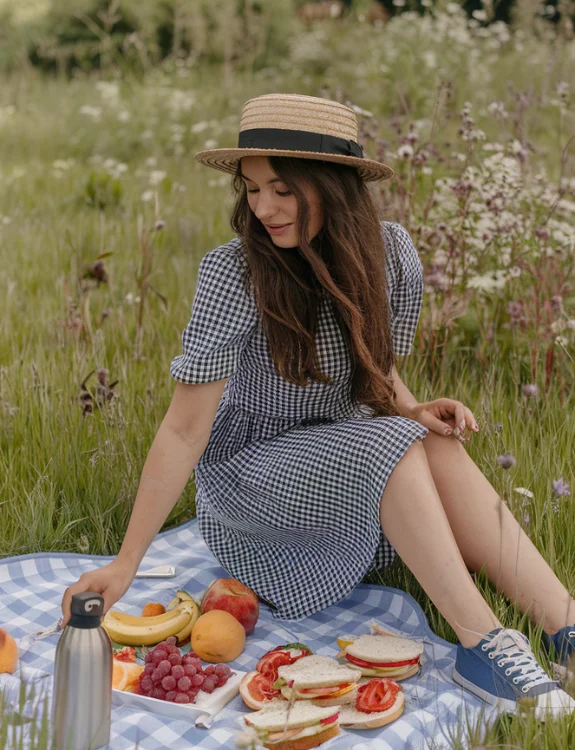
(305,732)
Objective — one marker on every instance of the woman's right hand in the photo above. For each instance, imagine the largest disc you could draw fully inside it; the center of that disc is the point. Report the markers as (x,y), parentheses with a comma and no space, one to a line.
(112,581)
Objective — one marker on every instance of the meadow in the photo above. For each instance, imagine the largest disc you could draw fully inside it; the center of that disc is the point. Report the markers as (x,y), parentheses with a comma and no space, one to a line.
(105,215)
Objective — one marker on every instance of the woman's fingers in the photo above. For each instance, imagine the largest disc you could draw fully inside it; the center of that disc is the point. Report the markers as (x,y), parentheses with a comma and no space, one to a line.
(433,423)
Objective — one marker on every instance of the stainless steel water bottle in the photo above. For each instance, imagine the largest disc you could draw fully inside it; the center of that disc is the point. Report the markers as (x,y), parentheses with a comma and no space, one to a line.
(82,687)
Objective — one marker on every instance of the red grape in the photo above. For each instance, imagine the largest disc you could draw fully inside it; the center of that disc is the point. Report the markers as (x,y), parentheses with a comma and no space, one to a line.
(171,649)
(149,668)
(171,695)
(187,659)
(208,686)
(182,698)
(165,667)
(158,655)
(223,669)
(171,640)
(210,669)
(177,671)
(148,657)
(169,682)
(174,659)
(184,684)
(198,679)
(159,693)
(157,675)
(189,670)
(146,683)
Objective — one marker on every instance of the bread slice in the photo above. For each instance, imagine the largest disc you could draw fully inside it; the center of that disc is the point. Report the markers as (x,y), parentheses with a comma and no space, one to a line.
(277,715)
(317,671)
(384,648)
(305,743)
(350,717)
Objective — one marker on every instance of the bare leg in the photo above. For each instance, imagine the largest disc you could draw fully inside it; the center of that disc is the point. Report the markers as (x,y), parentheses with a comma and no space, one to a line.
(414,521)
(489,536)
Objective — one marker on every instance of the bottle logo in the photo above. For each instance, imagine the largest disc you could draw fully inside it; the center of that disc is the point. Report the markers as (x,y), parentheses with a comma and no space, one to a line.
(91,604)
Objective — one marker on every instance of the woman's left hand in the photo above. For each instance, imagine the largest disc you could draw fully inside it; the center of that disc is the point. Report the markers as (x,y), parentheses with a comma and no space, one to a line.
(444,416)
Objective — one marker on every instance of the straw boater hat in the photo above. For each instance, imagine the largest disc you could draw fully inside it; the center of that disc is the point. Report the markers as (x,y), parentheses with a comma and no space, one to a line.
(306,127)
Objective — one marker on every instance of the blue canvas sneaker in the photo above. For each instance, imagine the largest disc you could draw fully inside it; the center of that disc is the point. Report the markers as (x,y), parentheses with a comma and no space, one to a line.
(563,642)
(502,669)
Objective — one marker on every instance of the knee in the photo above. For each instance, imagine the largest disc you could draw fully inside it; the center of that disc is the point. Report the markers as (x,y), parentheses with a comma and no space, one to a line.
(441,445)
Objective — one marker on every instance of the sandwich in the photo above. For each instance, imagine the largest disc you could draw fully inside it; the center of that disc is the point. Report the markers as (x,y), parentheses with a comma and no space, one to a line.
(303,727)
(379,702)
(256,688)
(383,656)
(318,678)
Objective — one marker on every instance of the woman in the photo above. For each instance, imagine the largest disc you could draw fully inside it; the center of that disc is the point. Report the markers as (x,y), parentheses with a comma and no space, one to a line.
(319,464)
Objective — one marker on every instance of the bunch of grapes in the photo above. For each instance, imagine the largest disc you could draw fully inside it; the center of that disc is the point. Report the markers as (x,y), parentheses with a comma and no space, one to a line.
(171,676)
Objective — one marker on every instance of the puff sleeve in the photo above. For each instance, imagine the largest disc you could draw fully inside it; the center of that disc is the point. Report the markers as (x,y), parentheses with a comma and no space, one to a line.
(223,314)
(405,273)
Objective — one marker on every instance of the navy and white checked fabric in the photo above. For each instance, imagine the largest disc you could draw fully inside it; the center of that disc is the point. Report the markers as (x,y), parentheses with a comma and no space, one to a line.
(31,589)
(289,486)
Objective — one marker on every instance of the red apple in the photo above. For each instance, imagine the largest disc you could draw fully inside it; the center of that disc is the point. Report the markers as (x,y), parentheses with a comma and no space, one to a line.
(233,597)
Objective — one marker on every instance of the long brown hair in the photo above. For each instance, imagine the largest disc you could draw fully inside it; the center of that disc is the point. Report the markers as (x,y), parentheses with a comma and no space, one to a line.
(346,260)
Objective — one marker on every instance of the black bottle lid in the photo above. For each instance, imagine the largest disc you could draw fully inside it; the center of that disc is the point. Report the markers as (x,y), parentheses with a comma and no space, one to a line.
(87,610)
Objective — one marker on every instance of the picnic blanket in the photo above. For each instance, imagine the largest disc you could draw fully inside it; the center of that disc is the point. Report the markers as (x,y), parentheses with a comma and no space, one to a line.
(437,711)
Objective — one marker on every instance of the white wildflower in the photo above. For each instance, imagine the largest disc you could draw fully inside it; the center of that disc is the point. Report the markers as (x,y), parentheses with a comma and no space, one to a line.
(405,151)
(156,176)
(124,116)
(480,15)
(198,127)
(147,196)
(109,91)
(210,143)
(524,491)
(151,161)
(93,112)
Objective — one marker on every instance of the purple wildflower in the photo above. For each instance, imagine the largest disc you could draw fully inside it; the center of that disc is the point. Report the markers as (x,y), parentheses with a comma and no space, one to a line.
(560,487)
(506,461)
(530,390)
(498,426)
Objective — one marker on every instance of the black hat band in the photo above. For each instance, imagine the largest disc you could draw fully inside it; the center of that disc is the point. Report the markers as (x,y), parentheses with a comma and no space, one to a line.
(298,140)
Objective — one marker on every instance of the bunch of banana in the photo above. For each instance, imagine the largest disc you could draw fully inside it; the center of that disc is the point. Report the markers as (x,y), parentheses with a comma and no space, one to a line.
(178,620)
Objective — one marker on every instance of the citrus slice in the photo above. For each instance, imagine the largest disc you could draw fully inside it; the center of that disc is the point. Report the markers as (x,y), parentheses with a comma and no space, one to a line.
(125,675)
(345,640)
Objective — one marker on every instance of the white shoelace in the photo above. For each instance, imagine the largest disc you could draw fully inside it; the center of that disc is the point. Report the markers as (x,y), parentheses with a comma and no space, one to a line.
(511,647)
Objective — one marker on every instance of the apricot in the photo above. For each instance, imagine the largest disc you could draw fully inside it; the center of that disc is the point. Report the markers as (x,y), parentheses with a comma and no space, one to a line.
(8,652)
(152,609)
(218,637)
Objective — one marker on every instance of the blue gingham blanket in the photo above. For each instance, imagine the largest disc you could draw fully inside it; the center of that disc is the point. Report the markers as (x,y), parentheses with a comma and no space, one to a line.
(437,711)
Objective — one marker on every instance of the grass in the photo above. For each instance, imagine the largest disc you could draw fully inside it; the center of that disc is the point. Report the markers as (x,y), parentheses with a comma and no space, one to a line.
(81,187)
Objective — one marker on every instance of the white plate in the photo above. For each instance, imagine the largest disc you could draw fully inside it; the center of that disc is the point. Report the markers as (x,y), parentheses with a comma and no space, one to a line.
(202,711)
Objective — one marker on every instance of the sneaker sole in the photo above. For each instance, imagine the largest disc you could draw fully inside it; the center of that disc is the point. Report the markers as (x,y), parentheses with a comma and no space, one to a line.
(494,700)
(508,705)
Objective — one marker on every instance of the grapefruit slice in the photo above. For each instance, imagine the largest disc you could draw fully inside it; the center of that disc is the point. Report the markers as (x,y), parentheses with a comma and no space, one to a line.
(125,675)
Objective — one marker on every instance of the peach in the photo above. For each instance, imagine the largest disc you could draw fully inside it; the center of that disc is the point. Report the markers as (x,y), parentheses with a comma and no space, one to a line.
(232,596)
(8,652)
(218,637)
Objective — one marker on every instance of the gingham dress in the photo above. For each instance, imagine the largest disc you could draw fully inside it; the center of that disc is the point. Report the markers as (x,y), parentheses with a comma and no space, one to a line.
(289,486)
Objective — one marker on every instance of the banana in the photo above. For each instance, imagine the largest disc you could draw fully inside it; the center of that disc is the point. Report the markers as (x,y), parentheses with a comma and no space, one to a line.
(193,608)
(126,619)
(145,631)
(181,596)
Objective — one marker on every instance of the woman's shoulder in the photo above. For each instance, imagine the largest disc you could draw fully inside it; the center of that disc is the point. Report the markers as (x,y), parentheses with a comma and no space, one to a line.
(231,255)
(401,251)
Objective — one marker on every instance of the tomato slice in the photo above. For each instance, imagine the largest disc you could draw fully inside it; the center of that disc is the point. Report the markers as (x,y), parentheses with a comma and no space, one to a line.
(372,664)
(378,694)
(277,657)
(261,688)
(269,663)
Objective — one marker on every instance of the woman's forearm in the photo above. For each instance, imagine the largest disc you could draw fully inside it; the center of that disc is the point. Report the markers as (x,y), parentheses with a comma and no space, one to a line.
(167,469)
(405,400)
